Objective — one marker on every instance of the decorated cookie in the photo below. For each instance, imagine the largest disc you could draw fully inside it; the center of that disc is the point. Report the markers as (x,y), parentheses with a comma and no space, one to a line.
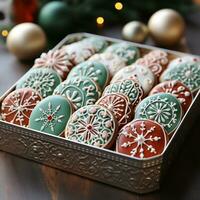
(129,88)
(188,73)
(51,115)
(94,125)
(136,72)
(163,108)
(113,62)
(80,91)
(141,139)
(155,60)
(18,105)
(119,105)
(43,80)
(94,70)
(176,88)
(57,60)
(128,52)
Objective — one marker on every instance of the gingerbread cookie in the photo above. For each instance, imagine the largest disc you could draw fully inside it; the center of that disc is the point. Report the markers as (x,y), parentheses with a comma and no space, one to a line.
(113,62)
(94,70)
(80,91)
(16,108)
(142,139)
(176,88)
(129,88)
(155,60)
(163,108)
(43,80)
(57,60)
(126,51)
(187,72)
(119,105)
(136,72)
(94,125)
(51,115)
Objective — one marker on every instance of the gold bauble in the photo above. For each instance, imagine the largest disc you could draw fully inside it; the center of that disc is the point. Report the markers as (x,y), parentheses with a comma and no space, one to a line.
(135,31)
(166,27)
(26,41)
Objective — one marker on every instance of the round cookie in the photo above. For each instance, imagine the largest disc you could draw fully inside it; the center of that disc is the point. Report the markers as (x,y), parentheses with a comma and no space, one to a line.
(155,60)
(57,60)
(129,88)
(94,70)
(126,51)
(176,88)
(119,105)
(80,91)
(142,139)
(136,72)
(16,108)
(94,125)
(163,108)
(51,115)
(113,62)
(43,80)
(187,72)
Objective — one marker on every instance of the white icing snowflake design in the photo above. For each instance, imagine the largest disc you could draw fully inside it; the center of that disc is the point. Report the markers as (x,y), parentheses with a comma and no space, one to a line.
(49,117)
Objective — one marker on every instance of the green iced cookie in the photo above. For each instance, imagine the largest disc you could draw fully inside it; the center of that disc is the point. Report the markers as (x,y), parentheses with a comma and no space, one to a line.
(128,52)
(51,115)
(163,108)
(80,91)
(42,80)
(187,72)
(94,70)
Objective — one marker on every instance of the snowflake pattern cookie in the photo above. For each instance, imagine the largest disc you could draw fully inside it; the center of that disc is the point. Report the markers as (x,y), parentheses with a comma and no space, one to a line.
(51,115)
(163,108)
(80,91)
(141,139)
(56,60)
(94,70)
(119,105)
(43,80)
(129,88)
(16,108)
(176,88)
(127,52)
(187,72)
(94,125)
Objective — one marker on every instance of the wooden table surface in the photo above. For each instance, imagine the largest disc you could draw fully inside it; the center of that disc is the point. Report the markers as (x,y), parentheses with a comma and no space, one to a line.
(21,179)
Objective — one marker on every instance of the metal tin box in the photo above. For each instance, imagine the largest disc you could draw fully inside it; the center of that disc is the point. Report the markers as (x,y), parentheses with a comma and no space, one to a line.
(107,166)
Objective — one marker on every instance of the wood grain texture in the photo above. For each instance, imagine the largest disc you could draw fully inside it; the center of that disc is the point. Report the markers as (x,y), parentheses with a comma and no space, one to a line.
(21,179)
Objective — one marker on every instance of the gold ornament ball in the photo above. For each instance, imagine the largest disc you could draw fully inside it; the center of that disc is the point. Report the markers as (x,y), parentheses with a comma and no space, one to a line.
(166,27)
(26,41)
(135,31)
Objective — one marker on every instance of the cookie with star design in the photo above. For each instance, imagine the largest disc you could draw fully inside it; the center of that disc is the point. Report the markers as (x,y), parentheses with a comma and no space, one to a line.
(17,107)
(142,139)
(51,115)
(94,125)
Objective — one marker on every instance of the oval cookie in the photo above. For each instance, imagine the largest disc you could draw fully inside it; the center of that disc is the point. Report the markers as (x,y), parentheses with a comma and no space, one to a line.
(177,89)
(42,80)
(51,115)
(16,108)
(94,125)
(163,108)
(141,139)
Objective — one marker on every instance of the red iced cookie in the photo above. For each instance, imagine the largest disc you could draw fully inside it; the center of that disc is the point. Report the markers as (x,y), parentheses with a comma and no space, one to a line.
(141,139)
(119,105)
(176,88)
(18,105)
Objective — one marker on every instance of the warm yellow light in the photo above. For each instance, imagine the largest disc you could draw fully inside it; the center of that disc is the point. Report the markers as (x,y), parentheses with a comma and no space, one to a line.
(100,20)
(118,6)
(4,33)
